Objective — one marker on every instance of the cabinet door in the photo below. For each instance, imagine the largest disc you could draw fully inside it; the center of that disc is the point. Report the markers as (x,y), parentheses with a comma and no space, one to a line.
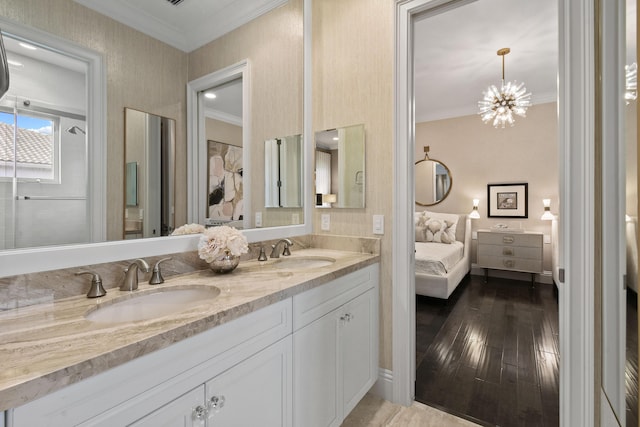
(316,373)
(186,411)
(256,392)
(359,348)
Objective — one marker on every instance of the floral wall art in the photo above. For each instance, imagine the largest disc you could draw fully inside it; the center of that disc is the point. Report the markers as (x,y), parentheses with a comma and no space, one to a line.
(224,181)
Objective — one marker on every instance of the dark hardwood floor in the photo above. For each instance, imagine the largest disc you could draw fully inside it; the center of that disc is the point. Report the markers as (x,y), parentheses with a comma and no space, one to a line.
(490,353)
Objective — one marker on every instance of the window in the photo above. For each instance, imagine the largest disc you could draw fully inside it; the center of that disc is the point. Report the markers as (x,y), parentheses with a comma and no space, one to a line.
(34,152)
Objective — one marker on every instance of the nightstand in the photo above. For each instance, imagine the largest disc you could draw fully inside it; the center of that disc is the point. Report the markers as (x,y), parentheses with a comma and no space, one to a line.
(504,250)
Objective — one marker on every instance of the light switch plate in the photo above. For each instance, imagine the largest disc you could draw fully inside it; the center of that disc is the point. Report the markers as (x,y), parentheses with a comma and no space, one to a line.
(258,220)
(547,239)
(378,224)
(474,235)
(325,222)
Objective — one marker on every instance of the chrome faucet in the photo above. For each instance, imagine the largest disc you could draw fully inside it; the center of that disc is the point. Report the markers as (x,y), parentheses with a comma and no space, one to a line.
(131,274)
(285,252)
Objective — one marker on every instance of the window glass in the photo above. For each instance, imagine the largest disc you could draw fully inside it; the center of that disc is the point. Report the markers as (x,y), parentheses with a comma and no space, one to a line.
(34,154)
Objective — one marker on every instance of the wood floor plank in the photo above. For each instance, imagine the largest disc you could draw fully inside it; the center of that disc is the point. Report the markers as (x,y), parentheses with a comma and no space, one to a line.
(485,361)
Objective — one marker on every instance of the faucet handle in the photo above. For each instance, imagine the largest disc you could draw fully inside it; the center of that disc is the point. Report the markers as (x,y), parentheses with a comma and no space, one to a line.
(262,256)
(156,276)
(286,251)
(96,289)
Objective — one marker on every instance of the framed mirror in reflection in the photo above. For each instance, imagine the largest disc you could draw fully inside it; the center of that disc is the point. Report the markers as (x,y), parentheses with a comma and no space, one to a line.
(340,167)
(433,180)
(150,147)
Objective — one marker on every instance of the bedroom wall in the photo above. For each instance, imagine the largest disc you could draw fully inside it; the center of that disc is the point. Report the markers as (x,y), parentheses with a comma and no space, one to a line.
(479,154)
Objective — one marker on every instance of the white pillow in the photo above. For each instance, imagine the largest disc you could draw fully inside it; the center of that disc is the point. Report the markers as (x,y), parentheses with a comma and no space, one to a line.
(439,230)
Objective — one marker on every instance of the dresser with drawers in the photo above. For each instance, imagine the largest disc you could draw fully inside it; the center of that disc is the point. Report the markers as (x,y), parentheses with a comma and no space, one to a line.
(503,250)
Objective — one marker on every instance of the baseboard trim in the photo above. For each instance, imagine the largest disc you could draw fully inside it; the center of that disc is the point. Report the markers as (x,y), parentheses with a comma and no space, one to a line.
(384,386)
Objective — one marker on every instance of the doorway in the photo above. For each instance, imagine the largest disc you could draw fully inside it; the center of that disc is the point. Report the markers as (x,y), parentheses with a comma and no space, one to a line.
(576,237)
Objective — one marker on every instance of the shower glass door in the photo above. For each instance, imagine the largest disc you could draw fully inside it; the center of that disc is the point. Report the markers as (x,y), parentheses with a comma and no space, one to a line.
(43,149)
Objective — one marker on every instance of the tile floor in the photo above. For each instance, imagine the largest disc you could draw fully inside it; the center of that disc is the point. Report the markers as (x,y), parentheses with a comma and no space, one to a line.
(373,411)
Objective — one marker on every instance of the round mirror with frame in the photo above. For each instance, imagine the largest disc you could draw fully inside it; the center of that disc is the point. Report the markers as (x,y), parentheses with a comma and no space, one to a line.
(433,180)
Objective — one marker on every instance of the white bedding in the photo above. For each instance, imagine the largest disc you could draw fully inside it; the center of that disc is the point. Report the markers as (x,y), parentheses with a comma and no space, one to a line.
(437,258)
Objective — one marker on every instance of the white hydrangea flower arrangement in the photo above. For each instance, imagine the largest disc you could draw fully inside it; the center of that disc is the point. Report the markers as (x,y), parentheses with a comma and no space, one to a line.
(188,229)
(223,240)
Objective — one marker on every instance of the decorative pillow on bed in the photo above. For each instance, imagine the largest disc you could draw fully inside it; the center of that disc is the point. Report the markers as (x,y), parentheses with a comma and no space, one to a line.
(457,231)
(439,231)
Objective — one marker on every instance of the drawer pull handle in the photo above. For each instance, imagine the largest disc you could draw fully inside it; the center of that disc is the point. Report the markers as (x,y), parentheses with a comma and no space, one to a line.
(509,263)
(508,239)
(507,251)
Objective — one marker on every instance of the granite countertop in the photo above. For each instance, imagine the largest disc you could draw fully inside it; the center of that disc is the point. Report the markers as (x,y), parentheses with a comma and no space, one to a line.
(51,345)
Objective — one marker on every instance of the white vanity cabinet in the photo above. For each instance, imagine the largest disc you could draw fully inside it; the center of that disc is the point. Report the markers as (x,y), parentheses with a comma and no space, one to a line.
(304,361)
(238,359)
(335,347)
(254,392)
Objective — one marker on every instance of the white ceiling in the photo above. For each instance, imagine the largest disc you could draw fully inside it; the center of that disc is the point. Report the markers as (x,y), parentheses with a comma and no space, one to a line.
(188,25)
(455,54)
(227,105)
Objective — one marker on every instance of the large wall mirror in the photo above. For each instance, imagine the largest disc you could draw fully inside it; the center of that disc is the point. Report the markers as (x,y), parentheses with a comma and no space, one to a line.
(108,201)
(433,180)
(340,167)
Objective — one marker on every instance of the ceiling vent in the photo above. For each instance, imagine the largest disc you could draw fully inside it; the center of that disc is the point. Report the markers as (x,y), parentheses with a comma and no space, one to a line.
(175,2)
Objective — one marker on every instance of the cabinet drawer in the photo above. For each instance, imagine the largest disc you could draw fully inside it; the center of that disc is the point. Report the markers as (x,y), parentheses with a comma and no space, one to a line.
(524,239)
(317,302)
(509,251)
(510,263)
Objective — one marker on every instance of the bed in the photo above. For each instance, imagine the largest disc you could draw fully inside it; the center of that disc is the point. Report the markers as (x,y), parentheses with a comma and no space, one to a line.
(441,262)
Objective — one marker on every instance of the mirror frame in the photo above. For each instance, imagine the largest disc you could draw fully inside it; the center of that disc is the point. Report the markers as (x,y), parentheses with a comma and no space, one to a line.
(450,181)
(23,261)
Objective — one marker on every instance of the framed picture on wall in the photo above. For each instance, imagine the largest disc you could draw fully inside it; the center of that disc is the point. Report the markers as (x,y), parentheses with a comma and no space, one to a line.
(224,181)
(508,200)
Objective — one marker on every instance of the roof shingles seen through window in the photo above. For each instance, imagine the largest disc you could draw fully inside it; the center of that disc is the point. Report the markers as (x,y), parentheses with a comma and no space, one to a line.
(33,147)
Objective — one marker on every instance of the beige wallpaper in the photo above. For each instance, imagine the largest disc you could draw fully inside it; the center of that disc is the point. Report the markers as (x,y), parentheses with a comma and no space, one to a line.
(273,44)
(479,154)
(143,73)
(353,84)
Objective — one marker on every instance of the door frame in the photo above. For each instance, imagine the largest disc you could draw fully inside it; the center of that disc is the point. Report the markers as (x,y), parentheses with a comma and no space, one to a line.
(576,101)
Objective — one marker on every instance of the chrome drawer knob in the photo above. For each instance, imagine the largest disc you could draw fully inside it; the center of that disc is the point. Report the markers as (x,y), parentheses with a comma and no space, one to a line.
(199,412)
(216,403)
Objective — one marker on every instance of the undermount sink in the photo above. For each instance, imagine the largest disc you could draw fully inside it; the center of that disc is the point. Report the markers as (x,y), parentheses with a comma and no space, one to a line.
(303,262)
(150,305)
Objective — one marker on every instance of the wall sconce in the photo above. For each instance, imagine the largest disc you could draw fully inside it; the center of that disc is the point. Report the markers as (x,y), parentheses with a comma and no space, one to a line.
(547,215)
(329,198)
(474,212)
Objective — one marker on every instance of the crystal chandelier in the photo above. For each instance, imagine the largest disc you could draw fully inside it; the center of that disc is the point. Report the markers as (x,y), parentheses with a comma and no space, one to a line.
(499,105)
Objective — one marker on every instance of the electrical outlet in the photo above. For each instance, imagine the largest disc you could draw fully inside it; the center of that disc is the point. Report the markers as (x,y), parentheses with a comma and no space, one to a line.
(378,224)
(141,214)
(547,239)
(325,222)
(295,218)
(126,214)
(258,219)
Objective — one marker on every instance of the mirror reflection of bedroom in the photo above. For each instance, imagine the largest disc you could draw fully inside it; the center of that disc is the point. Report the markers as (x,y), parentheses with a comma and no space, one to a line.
(487,344)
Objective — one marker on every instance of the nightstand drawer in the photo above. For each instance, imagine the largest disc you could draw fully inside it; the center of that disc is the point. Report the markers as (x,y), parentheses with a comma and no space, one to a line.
(524,239)
(510,251)
(510,263)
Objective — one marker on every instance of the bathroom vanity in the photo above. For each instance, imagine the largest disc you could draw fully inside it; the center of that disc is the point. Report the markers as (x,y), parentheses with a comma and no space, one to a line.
(277,346)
